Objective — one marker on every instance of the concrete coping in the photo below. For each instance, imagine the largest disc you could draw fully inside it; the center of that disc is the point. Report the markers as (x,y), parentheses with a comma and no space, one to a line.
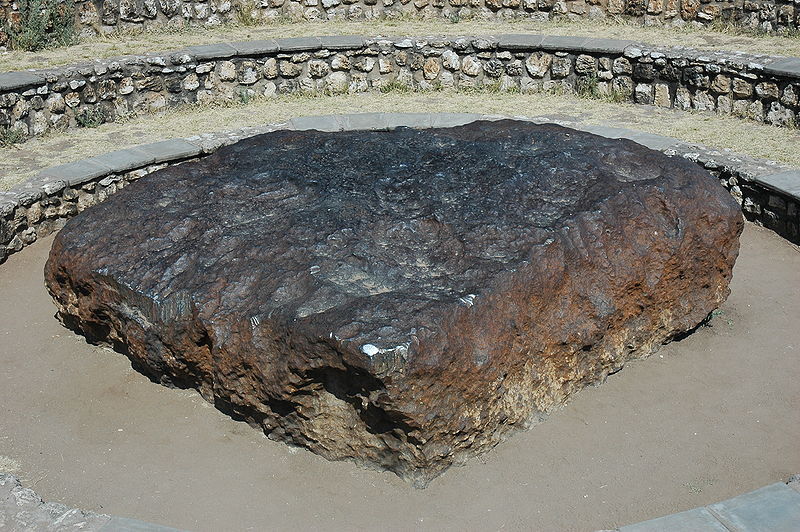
(19,80)
(783,180)
(772,65)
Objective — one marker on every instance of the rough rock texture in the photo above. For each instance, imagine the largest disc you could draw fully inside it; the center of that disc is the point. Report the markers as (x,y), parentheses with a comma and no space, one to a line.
(400,298)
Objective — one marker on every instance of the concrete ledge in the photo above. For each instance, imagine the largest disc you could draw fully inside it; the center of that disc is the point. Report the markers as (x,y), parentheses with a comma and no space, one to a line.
(247,48)
(78,172)
(19,80)
(342,42)
(773,508)
(299,44)
(699,519)
(169,150)
(787,182)
(520,42)
(124,160)
(557,43)
(788,66)
(606,46)
(212,51)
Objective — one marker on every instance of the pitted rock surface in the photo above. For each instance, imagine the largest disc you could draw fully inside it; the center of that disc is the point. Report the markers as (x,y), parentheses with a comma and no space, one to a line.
(400,298)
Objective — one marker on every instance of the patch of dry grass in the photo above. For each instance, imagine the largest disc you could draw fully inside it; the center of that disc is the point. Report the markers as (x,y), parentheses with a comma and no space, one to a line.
(769,142)
(170,38)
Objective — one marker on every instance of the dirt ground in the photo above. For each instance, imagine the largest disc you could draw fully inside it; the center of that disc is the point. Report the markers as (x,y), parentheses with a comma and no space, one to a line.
(707,418)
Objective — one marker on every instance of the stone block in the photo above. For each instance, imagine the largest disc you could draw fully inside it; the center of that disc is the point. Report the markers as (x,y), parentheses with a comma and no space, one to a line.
(76,173)
(697,520)
(170,150)
(252,48)
(342,42)
(773,508)
(10,81)
(320,123)
(299,44)
(787,66)
(211,51)
(787,182)
(520,42)
(558,43)
(124,160)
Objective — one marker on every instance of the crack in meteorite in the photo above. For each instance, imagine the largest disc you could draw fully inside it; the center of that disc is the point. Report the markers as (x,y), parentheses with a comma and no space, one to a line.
(399,298)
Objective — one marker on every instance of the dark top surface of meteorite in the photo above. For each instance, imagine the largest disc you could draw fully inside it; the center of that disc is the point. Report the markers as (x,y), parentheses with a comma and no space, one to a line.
(366,236)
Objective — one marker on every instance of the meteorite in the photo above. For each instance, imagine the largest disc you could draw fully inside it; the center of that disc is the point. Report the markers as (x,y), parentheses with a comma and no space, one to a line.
(401,298)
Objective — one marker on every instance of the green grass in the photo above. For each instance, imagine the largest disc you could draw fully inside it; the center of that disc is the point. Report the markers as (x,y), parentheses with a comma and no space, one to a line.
(43,24)
(91,117)
(9,137)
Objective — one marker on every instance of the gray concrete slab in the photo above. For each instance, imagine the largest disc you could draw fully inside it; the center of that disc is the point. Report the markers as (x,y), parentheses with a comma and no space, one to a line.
(788,182)
(170,150)
(320,123)
(520,42)
(558,43)
(773,508)
(211,51)
(416,120)
(454,119)
(123,524)
(260,47)
(342,42)
(365,121)
(606,46)
(696,520)
(10,81)
(604,131)
(788,66)
(652,141)
(299,44)
(124,160)
(75,173)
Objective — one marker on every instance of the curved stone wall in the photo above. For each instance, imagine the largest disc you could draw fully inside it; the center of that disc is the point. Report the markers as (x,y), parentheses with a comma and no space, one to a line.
(760,88)
(110,15)
(769,194)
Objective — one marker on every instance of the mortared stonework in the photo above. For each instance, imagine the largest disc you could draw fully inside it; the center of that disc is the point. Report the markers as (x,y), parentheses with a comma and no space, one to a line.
(401,298)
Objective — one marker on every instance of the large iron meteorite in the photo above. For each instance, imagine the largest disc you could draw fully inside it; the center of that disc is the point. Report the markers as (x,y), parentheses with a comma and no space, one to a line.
(399,298)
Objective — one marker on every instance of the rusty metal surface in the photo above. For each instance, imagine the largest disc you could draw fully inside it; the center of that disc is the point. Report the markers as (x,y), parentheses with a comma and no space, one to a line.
(402,299)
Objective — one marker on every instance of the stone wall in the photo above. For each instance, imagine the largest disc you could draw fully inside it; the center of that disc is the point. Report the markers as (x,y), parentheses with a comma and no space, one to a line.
(109,15)
(760,88)
(769,194)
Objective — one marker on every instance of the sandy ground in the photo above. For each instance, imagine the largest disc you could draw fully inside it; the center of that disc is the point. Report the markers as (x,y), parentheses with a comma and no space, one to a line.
(707,418)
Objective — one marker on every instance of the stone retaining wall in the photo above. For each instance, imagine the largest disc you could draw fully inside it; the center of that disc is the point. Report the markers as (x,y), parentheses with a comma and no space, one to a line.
(769,194)
(760,88)
(110,15)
